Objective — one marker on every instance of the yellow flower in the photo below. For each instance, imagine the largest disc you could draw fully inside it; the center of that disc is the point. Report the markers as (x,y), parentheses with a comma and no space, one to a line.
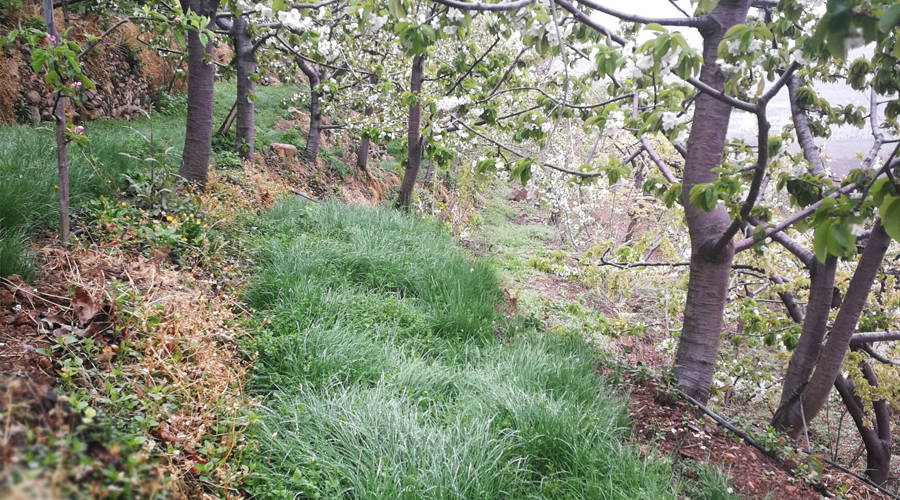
(169,218)
(124,204)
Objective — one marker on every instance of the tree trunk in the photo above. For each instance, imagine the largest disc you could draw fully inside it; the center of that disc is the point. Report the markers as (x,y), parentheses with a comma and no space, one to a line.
(313,139)
(362,153)
(877,440)
(59,115)
(245,58)
(199,123)
(709,271)
(828,366)
(362,156)
(413,140)
(809,345)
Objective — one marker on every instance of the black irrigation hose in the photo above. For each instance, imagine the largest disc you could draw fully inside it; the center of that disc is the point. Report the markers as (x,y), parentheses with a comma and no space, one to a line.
(752,442)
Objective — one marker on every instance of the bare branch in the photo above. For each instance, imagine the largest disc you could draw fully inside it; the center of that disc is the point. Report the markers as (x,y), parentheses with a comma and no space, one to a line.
(802,214)
(801,128)
(866,348)
(482,6)
(859,339)
(555,100)
(326,3)
(733,101)
(472,67)
(583,175)
(694,22)
(584,18)
(660,164)
(782,80)
(100,38)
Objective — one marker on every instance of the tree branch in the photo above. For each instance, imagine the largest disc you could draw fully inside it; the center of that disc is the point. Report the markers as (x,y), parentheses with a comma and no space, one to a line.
(694,22)
(100,38)
(762,159)
(658,161)
(584,18)
(866,348)
(806,212)
(482,6)
(583,175)
(733,101)
(801,129)
(472,67)
(859,339)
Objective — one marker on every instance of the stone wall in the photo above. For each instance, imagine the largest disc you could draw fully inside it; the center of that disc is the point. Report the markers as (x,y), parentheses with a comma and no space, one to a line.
(126,74)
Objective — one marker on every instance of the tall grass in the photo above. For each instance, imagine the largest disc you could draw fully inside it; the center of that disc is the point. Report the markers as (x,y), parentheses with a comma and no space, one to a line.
(14,257)
(28,176)
(381,375)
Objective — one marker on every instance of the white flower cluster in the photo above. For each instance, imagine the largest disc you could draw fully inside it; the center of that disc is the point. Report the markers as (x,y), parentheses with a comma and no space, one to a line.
(614,122)
(450,103)
(329,49)
(377,22)
(292,19)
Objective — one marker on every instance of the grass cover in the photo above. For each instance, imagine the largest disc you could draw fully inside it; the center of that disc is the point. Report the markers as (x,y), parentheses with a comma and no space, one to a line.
(28,175)
(385,371)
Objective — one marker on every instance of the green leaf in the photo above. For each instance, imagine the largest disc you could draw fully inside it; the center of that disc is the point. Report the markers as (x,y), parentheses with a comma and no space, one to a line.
(889,19)
(820,240)
(841,241)
(889,211)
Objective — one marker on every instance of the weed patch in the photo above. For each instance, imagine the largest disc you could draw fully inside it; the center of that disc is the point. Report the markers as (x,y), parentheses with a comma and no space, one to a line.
(380,375)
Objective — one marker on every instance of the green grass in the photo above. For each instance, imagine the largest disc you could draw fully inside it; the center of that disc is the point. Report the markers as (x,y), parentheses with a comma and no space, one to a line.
(28,176)
(14,258)
(381,375)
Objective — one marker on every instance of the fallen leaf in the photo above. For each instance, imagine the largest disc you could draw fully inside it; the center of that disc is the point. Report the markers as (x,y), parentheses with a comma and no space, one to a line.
(85,306)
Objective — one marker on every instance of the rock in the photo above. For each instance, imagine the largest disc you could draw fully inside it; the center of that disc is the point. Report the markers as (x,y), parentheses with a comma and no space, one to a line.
(34,115)
(33,97)
(520,194)
(283,125)
(285,150)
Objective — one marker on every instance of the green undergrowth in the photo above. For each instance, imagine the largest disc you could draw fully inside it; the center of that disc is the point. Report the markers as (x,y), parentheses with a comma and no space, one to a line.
(384,370)
(28,174)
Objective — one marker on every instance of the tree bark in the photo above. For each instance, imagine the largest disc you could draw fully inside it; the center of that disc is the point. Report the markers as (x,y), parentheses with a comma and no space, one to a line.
(362,153)
(413,138)
(245,59)
(199,122)
(709,271)
(809,345)
(314,138)
(362,156)
(877,440)
(828,366)
(59,116)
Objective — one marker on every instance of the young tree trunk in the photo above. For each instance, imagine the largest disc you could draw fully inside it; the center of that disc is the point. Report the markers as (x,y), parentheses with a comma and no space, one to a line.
(877,437)
(313,139)
(362,153)
(829,363)
(199,123)
(821,288)
(59,115)
(809,345)
(413,138)
(245,58)
(362,156)
(710,268)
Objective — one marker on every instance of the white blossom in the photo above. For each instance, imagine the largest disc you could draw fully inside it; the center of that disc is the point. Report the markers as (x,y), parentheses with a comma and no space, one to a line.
(669,120)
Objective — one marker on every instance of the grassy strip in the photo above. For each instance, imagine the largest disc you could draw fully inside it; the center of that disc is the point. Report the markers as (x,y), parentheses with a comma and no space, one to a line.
(380,375)
(28,194)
